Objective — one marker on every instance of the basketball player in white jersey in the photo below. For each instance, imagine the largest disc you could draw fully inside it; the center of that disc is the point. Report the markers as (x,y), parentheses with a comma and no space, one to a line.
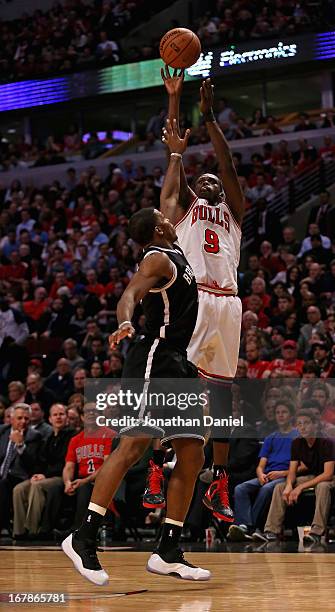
(208,224)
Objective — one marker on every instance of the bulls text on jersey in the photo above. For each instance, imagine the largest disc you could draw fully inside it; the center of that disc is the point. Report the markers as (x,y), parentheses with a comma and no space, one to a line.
(216,216)
(89,451)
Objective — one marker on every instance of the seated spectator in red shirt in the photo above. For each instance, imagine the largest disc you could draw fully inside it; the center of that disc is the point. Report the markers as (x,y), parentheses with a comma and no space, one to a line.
(258,287)
(86,454)
(92,284)
(36,307)
(289,366)
(268,260)
(60,281)
(255,304)
(16,271)
(256,367)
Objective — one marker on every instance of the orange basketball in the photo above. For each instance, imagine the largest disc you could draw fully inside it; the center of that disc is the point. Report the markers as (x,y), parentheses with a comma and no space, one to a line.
(180,48)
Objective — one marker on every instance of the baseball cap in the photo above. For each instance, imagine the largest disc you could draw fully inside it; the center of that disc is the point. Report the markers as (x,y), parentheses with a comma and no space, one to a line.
(290,344)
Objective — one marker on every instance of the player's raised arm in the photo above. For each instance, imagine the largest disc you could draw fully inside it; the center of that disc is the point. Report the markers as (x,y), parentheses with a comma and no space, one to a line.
(151,270)
(231,185)
(169,199)
(174,85)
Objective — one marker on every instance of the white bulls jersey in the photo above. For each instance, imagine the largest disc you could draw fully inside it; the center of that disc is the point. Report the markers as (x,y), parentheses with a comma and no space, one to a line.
(211,239)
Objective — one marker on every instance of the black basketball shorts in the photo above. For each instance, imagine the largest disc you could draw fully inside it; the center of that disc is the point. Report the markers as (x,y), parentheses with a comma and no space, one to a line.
(156,370)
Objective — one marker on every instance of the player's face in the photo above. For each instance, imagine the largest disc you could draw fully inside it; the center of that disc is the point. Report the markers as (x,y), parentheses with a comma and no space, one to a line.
(169,231)
(208,186)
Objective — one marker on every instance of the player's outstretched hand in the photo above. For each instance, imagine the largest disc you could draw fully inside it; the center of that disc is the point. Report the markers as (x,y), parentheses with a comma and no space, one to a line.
(173,84)
(172,139)
(206,96)
(124,330)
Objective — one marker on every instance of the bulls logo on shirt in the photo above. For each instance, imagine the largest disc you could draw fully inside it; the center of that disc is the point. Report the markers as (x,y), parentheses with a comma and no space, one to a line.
(216,215)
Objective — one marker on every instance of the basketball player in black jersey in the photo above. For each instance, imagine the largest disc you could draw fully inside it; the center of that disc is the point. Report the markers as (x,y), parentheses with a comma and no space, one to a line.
(165,283)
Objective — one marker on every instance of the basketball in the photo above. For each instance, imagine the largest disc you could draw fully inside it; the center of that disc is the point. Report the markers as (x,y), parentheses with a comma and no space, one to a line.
(180,48)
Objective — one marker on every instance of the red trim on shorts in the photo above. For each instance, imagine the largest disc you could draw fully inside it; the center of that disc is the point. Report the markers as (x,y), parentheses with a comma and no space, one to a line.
(215,377)
(217,291)
(187,212)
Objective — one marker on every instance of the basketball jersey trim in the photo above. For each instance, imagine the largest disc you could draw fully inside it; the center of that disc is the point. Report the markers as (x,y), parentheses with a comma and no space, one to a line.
(166,314)
(173,277)
(218,291)
(233,217)
(215,377)
(187,212)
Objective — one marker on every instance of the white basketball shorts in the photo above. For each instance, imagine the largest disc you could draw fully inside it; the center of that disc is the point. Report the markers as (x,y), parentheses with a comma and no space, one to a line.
(214,346)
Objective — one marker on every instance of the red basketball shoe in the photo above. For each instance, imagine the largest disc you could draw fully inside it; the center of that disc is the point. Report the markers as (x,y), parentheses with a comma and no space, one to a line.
(217,499)
(153,496)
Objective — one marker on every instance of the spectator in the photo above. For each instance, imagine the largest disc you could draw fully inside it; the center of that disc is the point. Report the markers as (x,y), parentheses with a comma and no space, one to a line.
(19,448)
(37,421)
(37,392)
(60,382)
(317,457)
(79,380)
(70,348)
(267,224)
(272,468)
(288,366)
(30,496)
(314,324)
(16,392)
(320,215)
(256,367)
(262,190)
(304,123)
(13,334)
(86,453)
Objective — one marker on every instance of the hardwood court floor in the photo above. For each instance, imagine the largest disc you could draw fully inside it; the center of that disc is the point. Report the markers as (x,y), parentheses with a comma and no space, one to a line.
(262,582)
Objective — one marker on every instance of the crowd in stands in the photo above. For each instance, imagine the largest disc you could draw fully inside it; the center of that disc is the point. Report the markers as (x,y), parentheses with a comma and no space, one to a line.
(75,35)
(230,21)
(19,153)
(66,258)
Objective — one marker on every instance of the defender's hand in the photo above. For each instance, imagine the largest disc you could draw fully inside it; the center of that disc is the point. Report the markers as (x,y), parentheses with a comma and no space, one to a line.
(206,96)
(172,139)
(173,84)
(124,330)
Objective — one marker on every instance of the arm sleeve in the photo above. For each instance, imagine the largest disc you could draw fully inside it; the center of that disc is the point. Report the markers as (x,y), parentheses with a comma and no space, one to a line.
(295,452)
(71,451)
(266,447)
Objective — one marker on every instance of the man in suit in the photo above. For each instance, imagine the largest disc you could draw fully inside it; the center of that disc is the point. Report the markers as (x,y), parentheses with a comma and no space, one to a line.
(267,224)
(37,421)
(19,447)
(321,214)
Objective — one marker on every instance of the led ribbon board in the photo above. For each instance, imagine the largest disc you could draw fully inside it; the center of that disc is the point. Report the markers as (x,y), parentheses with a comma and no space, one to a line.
(140,75)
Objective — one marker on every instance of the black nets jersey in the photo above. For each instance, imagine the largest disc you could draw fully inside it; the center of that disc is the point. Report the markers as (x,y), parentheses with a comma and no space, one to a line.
(171,309)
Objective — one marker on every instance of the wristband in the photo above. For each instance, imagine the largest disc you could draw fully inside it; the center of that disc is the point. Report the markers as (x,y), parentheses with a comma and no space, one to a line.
(176,155)
(209,116)
(125,323)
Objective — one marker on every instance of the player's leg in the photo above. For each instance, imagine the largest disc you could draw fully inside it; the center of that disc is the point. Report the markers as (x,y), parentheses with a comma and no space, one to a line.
(80,546)
(153,496)
(217,495)
(169,559)
(217,365)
